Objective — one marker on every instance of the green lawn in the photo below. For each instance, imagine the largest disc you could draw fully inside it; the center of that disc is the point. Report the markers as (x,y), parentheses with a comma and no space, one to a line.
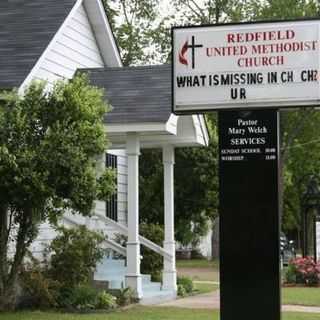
(198,263)
(301,296)
(295,296)
(199,269)
(205,287)
(142,313)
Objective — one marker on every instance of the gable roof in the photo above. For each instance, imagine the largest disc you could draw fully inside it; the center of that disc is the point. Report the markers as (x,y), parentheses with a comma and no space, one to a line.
(137,94)
(26,29)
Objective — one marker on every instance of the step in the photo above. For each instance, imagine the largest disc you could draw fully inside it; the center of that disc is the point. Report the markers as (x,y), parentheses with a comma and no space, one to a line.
(102,276)
(157,297)
(151,286)
(116,284)
(108,277)
(111,273)
(111,263)
(146,278)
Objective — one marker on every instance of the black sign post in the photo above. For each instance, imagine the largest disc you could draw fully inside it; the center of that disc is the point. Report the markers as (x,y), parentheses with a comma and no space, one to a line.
(249,215)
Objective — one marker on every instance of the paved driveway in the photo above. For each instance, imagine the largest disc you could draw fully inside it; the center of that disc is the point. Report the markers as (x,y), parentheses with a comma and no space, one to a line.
(212,301)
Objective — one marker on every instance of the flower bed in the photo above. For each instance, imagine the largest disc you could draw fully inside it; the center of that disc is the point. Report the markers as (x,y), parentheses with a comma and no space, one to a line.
(303,271)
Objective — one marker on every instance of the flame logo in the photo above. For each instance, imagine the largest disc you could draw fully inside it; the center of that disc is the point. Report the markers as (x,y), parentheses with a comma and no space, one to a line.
(182,58)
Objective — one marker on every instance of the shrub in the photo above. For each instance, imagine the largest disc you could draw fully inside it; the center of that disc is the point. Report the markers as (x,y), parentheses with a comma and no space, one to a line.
(74,256)
(125,297)
(303,270)
(83,298)
(152,263)
(186,283)
(196,254)
(105,301)
(63,279)
(65,297)
(38,291)
(181,291)
(291,274)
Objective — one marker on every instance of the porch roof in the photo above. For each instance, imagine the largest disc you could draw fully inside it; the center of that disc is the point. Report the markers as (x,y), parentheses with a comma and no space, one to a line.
(141,98)
(137,94)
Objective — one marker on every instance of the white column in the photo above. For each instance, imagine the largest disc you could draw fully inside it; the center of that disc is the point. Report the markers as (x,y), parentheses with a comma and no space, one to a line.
(133,276)
(169,272)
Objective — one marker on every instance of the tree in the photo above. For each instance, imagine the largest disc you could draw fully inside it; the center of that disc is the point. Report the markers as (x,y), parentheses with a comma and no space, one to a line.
(288,9)
(134,24)
(48,147)
(298,128)
(211,11)
(196,185)
(301,159)
(292,128)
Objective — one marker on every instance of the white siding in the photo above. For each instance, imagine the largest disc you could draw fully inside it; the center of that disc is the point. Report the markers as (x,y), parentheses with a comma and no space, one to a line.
(75,48)
(46,234)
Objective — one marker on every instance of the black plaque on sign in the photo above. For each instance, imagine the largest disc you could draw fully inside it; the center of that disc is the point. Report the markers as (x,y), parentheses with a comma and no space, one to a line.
(249,215)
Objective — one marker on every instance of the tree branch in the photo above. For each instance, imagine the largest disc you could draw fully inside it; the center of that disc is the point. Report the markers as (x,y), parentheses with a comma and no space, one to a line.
(198,7)
(209,10)
(134,12)
(294,133)
(123,3)
(199,15)
(217,10)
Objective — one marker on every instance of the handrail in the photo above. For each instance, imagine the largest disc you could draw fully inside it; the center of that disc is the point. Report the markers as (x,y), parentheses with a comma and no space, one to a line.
(109,243)
(116,247)
(144,241)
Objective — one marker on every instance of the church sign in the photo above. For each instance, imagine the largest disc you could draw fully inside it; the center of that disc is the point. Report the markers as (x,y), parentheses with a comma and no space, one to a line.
(247,72)
(252,65)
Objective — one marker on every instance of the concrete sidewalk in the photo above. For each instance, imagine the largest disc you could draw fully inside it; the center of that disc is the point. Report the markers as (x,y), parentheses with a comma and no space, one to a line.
(212,301)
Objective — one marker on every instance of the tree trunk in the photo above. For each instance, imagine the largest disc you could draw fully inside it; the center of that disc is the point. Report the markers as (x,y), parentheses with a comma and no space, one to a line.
(8,298)
(215,239)
(3,245)
(6,290)
(9,274)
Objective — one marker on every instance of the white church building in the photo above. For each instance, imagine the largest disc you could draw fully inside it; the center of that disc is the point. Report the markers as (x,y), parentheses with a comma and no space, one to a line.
(52,40)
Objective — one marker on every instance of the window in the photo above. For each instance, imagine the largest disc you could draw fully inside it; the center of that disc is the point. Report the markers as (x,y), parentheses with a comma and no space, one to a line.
(112,203)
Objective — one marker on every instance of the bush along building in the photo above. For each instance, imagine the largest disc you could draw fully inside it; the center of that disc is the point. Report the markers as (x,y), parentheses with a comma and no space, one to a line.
(52,40)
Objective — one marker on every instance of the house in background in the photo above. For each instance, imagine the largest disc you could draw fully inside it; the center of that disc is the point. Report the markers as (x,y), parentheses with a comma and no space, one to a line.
(52,40)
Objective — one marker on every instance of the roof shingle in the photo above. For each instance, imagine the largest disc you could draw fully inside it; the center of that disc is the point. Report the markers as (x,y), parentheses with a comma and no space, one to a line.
(137,94)
(26,29)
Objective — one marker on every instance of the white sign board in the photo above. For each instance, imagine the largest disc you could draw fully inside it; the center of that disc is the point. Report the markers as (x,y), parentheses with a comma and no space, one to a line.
(257,65)
(318,240)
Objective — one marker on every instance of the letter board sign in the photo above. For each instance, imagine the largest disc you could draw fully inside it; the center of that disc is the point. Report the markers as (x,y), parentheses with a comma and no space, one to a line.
(249,65)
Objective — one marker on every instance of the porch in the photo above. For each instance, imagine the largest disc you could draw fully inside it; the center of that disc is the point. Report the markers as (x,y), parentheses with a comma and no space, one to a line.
(141,118)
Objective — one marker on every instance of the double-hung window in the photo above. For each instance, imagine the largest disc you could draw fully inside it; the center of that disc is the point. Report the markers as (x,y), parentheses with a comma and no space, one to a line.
(112,203)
